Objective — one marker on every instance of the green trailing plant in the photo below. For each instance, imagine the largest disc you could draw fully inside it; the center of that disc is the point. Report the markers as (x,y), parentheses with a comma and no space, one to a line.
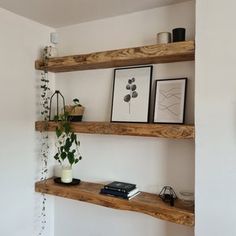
(72,108)
(76,103)
(67,143)
(75,110)
(44,152)
(45,98)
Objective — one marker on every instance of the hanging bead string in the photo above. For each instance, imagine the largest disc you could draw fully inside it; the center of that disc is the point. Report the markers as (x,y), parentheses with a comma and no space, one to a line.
(45,96)
(44,152)
(45,115)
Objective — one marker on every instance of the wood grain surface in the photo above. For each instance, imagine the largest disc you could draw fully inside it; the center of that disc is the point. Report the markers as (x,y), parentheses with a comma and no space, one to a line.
(132,129)
(146,203)
(151,54)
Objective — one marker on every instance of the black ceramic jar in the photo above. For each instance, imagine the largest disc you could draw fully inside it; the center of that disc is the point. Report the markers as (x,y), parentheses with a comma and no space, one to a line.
(178,34)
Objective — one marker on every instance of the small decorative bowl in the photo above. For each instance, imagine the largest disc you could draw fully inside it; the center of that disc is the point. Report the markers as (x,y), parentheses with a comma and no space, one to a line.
(187,198)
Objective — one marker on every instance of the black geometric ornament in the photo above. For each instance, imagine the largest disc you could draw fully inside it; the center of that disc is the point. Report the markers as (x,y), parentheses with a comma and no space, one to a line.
(167,194)
(60,105)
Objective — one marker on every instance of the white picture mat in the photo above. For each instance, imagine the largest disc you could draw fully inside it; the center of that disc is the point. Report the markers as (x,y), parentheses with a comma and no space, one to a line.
(139,106)
(169,101)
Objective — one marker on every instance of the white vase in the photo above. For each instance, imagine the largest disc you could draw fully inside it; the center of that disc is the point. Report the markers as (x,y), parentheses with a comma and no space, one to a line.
(163,37)
(66,174)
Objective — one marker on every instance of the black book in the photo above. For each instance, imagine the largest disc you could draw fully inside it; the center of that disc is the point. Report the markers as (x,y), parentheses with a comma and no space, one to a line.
(120,186)
(123,195)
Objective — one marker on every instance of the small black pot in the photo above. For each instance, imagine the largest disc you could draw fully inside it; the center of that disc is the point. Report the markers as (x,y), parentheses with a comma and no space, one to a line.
(75,118)
(178,34)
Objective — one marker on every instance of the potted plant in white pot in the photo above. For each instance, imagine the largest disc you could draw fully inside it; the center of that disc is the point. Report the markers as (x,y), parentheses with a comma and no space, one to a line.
(67,146)
(75,111)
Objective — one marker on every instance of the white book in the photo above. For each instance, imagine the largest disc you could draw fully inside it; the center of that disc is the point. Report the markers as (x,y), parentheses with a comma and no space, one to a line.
(134,195)
(132,192)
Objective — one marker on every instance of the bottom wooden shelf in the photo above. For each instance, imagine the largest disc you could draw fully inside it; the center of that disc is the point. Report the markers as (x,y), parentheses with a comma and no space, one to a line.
(146,203)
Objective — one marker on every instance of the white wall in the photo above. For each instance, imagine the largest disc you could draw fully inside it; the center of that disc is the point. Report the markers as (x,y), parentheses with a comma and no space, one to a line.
(149,162)
(215,118)
(20,43)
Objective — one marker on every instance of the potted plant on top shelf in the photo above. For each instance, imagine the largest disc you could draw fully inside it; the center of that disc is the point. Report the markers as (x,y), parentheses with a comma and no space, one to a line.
(75,111)
(67,146)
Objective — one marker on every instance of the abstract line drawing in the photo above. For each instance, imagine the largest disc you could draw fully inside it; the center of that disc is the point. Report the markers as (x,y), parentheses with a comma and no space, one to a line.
(131,86)
(170,100)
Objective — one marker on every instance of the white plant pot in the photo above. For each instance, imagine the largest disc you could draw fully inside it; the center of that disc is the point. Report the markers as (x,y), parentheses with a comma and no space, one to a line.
(66,174)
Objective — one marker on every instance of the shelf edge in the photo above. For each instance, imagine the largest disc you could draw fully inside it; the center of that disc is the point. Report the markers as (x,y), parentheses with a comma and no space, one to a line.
(150,54)
(139,204)
(129,129)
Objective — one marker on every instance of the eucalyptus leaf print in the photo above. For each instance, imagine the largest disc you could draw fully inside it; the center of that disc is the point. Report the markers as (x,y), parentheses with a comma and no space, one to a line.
(132,93)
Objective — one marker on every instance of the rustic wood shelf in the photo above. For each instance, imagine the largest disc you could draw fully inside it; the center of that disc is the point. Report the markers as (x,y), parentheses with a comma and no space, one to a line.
(132,129)
(151,54)
(146,203)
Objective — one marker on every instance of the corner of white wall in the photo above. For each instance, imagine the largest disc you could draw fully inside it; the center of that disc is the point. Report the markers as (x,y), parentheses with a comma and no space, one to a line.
(215,101)
(21,40)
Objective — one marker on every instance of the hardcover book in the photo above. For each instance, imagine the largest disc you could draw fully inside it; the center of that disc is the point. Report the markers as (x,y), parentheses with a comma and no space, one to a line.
(119,193)
(135,192)
(120,186)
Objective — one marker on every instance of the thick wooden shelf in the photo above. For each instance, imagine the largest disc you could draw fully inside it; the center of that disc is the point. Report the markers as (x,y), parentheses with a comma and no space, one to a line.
(146,203)
(152,54)
(132,129)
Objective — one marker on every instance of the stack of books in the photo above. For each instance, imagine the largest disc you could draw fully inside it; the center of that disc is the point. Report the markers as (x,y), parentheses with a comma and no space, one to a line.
(120,189)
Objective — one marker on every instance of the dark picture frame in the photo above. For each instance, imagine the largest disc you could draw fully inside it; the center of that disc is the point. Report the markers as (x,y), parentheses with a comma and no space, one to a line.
(131,94)
(170,101)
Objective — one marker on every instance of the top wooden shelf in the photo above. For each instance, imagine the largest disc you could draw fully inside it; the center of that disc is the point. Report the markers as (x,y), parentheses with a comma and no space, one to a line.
(151,54)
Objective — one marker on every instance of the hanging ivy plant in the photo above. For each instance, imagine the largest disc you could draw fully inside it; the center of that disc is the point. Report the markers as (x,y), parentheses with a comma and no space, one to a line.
(44,152)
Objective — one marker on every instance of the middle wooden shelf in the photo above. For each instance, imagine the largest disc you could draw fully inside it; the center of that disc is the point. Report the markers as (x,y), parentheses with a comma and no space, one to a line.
(131,129)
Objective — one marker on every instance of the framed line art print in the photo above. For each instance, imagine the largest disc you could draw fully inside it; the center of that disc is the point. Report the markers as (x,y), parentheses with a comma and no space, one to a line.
(170,96)
(131,94)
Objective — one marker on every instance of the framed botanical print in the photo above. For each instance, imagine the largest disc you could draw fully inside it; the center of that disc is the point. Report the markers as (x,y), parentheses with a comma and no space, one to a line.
(131,94)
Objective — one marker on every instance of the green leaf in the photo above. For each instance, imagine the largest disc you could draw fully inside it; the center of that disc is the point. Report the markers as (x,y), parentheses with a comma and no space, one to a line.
(76,101)
(65,117)
(77,142)
(56,157)
(73,137)
(67,145)
(63,156)
(76,160)
(58,132)
(71,158)
(56,118)
(66,126)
